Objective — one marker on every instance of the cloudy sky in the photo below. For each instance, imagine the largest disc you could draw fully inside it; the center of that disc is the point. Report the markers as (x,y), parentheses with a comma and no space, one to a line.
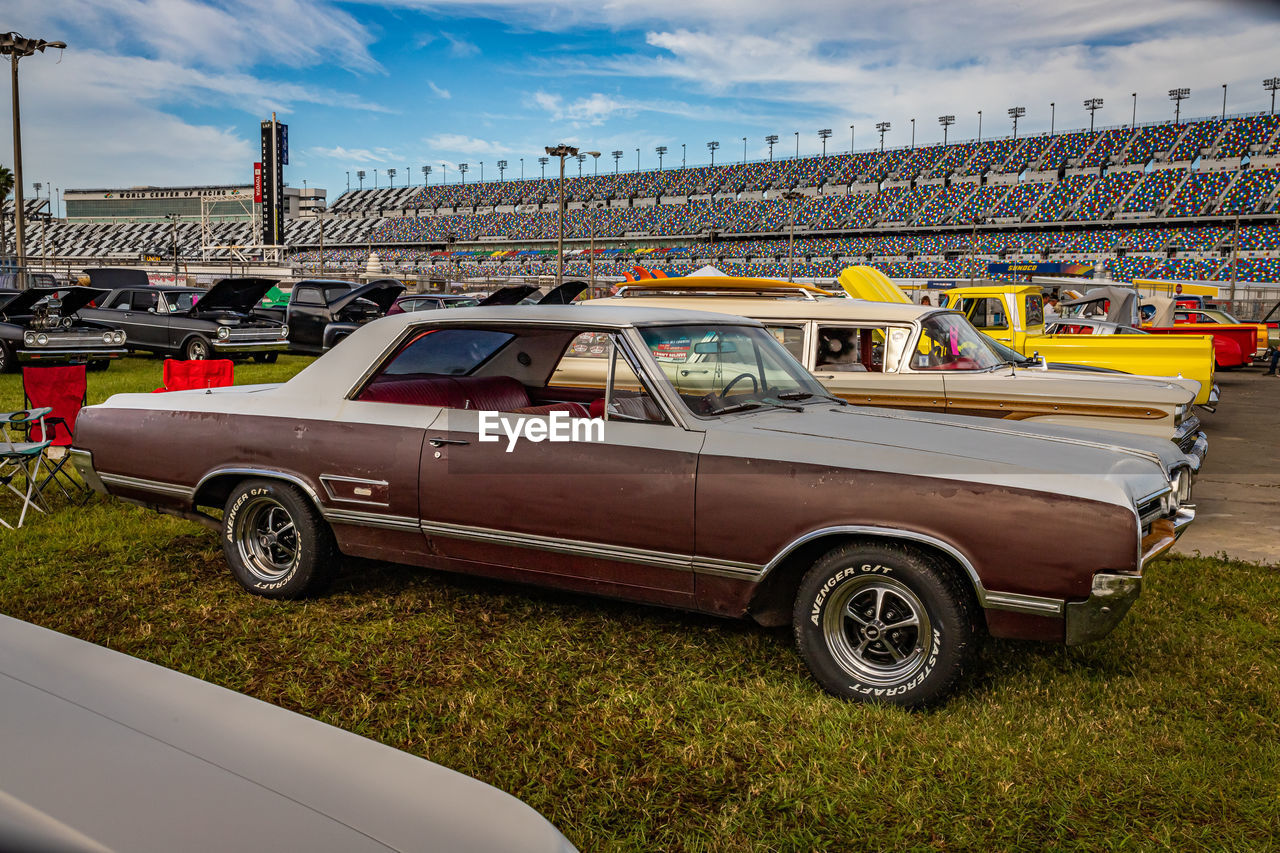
(169,92)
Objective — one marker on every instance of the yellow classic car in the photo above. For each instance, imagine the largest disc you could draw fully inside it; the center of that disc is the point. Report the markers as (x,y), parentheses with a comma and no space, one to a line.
(1014,315)
(920,357)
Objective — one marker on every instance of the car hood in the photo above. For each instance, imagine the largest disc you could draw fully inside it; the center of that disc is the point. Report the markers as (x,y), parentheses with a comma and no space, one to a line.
(1093,464)
(234,294)
(1096,387)
(381,293)
(72,299)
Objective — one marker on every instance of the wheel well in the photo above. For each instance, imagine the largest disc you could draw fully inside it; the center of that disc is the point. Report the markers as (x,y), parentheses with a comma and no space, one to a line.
(215,491)
(773,600)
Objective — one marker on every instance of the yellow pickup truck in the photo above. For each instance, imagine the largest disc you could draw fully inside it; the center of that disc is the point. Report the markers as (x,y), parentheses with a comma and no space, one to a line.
(1014,315)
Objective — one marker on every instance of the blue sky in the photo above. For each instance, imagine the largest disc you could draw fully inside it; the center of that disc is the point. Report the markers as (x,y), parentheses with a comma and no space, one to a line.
(171,91)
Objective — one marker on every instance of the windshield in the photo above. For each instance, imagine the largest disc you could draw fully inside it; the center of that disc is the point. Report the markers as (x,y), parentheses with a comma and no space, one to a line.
(949,342)
(717,369)
(180,301)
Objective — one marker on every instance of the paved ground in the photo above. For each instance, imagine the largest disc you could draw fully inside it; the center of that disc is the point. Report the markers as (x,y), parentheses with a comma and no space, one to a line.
(1238,491)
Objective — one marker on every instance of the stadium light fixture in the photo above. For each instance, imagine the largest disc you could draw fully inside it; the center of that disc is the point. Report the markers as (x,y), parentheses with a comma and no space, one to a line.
(851,140)
(913,134)
(444,174)
(464,168)
(883,127)
(712,146)
(502,171)
(543,161)
(797,145)
(426,175)
(979,126)
(579,158)
(1053,114)
(561,151)
(482,171)
(522,168)
(1178,96)
(16,47)
(1271,84)
(1092,105)
(1133,120)
(744,151)
(637,160)
(660,150)
(772,139)
(1224,101)
(946,122)
(791,197)
(391,176)
(595,160)
(1016,113)
(360,177)
(683,161)
(824,135)
(617,155)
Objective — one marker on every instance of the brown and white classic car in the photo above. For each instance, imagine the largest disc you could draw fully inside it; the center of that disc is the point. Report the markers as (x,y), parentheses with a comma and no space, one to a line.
(712,473)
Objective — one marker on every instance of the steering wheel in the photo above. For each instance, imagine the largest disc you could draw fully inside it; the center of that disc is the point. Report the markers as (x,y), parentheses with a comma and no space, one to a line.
(755,387)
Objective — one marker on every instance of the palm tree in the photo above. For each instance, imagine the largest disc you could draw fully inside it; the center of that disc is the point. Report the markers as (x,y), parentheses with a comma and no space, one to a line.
(6,187)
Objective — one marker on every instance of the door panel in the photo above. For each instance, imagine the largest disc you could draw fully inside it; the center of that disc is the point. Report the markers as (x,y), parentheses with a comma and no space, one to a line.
(614,516)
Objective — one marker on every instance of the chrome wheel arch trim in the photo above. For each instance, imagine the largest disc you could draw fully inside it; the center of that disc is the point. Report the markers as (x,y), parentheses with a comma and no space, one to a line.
(265,473)
(988,599)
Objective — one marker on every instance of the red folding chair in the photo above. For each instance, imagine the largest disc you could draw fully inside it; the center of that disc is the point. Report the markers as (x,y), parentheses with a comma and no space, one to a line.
(63,390)
(185,375)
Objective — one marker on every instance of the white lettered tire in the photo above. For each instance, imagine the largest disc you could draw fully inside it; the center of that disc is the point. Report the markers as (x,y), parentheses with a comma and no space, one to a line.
(884,623)
(275,541)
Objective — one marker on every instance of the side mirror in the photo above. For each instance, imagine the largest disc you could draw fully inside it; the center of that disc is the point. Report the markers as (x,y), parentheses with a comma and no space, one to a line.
(1037,360)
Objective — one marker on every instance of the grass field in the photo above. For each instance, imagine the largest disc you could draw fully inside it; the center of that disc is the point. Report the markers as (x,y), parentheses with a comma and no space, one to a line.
(640,729)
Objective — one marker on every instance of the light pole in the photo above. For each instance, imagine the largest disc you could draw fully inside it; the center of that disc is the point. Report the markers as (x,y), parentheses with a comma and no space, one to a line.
(482,171)
(1133,120)
(883,127)
(391,174)
(979,126)
(712,146)
(595,161)
(637,160)
(1178,96)
(360,177)
(17,46)
(946,122)
(1053,112)
(444,174)
(772,139)
(1092,105)
(580,158)
(348,180)
(1016,113)
(617,155)
(1271,84)
(1224,103)
(913,134)
(561,151)
(522,169)
(543,161)
(502,171)
(851,132)
(660,150)
(426,174)
(797,145)
(791,196)
(744,151)
(824,135)
(683,162)
(464,168)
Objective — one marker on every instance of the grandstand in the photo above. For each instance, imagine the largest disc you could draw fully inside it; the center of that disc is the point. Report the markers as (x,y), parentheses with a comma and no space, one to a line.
(1160,199)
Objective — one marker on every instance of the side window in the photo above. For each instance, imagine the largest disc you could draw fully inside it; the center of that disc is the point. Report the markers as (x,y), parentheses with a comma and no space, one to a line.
(791,337)
(850,349)
(120,302)
(1034,310)
(144,300)
(986,312)
(307,296)
(586,363)
(448,352)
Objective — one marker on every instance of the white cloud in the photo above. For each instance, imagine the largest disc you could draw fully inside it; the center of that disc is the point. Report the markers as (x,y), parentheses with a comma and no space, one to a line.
(440,93)
(457,143)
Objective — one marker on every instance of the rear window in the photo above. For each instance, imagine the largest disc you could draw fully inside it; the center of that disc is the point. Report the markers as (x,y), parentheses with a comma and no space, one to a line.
(454,352)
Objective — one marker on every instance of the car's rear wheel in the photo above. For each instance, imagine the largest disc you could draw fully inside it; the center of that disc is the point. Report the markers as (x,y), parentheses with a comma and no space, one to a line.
(196,349)
(884,623)
(275,541)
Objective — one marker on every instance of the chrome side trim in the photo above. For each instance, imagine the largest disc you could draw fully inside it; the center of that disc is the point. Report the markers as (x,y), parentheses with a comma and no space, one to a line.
(575,547)
(728,569)
(988,599)
(82,461)
(369,519)
(325,479)
(258,472)
(147,485)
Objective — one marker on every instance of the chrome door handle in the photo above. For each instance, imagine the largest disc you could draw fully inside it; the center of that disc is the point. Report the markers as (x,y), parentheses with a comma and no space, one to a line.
(441,442)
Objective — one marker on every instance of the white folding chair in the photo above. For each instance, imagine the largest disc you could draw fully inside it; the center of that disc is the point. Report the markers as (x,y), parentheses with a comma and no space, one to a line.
(22,459)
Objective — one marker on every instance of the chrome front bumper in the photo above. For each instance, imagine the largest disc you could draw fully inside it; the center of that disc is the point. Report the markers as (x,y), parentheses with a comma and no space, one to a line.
(1113,593)
(83,462)
(249,346)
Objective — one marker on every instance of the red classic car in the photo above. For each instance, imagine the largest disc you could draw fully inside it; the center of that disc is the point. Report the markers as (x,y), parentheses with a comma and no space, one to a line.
(711,473)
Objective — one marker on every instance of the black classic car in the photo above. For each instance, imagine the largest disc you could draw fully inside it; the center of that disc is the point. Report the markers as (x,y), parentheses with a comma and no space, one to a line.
(321,312)
(189,322)
(39,325)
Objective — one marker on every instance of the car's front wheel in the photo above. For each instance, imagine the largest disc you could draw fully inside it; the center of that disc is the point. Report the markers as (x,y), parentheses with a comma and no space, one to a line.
(8,363)
(196,349)
(275,541)
(884,623)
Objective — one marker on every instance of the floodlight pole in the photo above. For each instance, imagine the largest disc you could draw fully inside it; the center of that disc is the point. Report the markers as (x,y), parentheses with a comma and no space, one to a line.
(1092,105)
(1271,84)
(561,151)
(946,122)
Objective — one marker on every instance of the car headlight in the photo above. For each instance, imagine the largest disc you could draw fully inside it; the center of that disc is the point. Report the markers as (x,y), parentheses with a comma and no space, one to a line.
(29,339)
(118,337)
(108,338)
(223,333)
(42,339)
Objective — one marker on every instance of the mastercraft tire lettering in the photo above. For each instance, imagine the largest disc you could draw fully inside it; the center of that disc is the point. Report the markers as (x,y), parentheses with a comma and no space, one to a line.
(275,541)
(884,623)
